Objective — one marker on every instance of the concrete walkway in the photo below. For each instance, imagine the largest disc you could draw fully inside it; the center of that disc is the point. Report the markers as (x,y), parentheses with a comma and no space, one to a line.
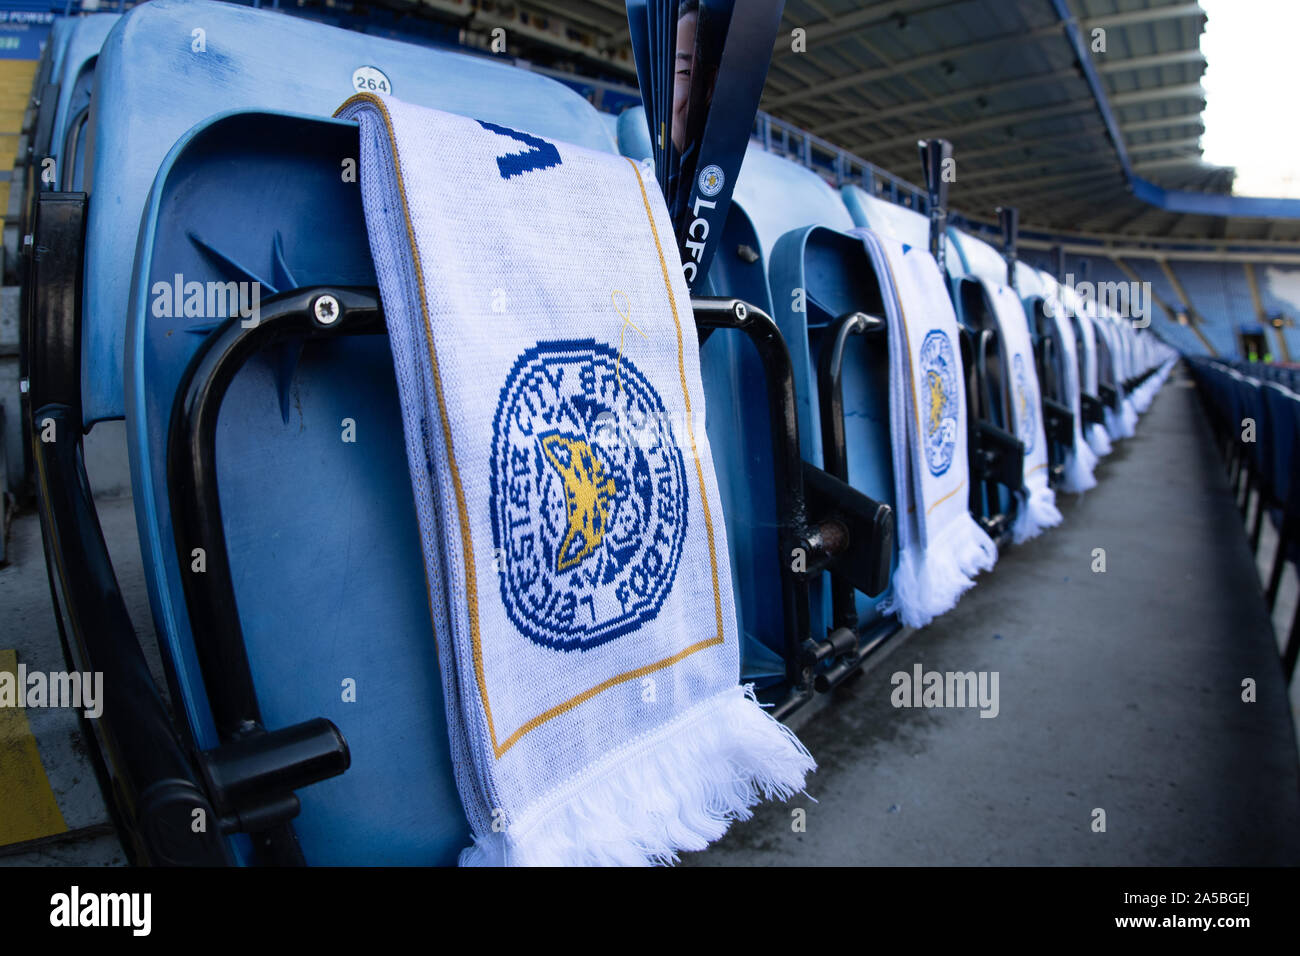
(1119,691)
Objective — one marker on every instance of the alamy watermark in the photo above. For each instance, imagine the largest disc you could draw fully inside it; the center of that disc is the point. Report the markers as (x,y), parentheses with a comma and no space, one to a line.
(208,300)
(1124,300)
(55,689)
(923,688)
(133,911)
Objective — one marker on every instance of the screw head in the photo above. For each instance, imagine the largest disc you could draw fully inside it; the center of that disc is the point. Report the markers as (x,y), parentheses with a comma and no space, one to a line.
(326,309)
(741,311)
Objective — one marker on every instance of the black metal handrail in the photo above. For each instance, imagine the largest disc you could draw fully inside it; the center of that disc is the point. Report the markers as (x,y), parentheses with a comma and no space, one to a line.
(149,782)
(253,773)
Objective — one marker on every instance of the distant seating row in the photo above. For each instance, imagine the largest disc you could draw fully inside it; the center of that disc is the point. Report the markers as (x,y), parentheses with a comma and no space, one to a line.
(1254,409)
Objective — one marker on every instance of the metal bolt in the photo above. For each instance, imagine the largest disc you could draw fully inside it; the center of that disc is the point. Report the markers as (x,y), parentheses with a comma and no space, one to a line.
(23,386)
(741,312)
(326,309)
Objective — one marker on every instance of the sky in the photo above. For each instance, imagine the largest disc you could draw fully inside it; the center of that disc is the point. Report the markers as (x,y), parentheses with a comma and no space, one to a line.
(1252,48)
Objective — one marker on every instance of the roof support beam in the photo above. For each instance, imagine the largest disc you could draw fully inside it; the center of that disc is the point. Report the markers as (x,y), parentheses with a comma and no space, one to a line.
(1186,119)
(1089,161)
(938,102)
(1095,83)
(908,66)
(1188,91)
(1069,108)
(1191,159)
(1146,62)
(1034,183)
(1144,16)
(839,26)
(1160,144)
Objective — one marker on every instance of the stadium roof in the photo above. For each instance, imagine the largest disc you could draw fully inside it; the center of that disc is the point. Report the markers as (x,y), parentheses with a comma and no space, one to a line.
(1053,106)
(1004,83)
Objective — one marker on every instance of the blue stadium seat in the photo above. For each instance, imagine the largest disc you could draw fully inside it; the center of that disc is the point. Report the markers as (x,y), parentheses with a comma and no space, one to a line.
(975,270)
(62,79)
(633,134)
(991,500)
(321,535)
(76,70)
(781,219)
(1283,411)
(817,273)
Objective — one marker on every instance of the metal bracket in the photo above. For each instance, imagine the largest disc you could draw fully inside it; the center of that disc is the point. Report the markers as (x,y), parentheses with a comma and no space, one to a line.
(1092,408)
(850,531)
(998,456)
(1058,421)
(253,773)
(935,156)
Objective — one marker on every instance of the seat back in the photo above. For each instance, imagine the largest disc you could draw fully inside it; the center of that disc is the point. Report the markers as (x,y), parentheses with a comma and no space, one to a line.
(898,222)
(772,196)
(633,134)
(784,248)
(84,40)
(171,65)
(817,273)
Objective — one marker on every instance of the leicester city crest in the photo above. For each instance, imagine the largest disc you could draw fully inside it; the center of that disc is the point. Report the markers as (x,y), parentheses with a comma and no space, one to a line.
(588,496)
(710,180)
(939,401)
(1027,424)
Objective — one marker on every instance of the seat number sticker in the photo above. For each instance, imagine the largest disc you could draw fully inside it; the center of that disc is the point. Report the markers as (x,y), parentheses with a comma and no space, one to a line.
(371,79)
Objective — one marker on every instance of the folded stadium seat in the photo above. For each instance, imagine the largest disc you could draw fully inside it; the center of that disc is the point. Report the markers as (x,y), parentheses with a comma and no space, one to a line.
(1091,408)
(64,94)
(1052,309)
(1263,452)
(77,76)
(1037,372)
(819,276)
(738,430)
(1250,405)
(150,58)
(783,247)
(41,107)
(891,219)
(256,197)
(62,83)
(633,135)
(1110,380)
(1053,353)
(997,456)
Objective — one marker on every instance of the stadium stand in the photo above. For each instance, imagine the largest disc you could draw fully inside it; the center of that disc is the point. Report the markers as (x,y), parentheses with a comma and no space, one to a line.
(238,185)
(1212,296)
(1279,292)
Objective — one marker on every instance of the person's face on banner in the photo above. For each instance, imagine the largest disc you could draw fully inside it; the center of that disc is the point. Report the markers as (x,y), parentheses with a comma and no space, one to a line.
(683,66)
